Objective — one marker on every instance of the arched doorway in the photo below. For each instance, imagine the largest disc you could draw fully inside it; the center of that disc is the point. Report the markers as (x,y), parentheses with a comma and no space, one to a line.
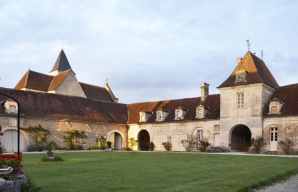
(143,138)
(9,141)
(116,139)
(240,137)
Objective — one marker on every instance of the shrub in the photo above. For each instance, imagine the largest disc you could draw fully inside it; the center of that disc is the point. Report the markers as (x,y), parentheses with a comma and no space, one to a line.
(257,143)
(109,143)
(167,145)
(72,139)
(101,142)
(287,146)
(189,145)
(151,146)
(132,142)
(204,145)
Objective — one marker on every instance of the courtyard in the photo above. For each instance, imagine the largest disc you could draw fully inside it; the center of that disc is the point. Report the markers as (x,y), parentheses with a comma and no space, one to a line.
(156,171)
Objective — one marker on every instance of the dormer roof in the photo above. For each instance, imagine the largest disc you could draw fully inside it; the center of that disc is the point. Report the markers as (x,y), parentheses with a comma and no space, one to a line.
(257,72)
(61,63)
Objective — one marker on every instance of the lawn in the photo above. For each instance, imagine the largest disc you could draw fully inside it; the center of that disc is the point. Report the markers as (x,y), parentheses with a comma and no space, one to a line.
(155,171)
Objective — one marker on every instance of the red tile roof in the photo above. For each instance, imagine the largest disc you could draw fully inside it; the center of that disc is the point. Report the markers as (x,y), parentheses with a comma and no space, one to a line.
(212,101)
(289,96)
(96,92)
(34,80)
(58,79)
(257,72)
(37,104)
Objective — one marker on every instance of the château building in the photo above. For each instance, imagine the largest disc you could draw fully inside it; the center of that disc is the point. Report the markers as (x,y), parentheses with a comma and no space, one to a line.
(250,104)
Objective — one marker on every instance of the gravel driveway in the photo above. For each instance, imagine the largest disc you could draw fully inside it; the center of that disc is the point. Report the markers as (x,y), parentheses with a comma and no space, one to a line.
(289,185)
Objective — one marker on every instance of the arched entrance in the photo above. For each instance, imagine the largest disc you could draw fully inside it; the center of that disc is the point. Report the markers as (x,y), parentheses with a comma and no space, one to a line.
(143,139)
(9,141)
(116,139)
(240,137)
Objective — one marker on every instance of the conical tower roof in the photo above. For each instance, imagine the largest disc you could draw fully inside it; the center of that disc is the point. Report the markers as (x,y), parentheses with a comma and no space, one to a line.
(256,72)
(62,63)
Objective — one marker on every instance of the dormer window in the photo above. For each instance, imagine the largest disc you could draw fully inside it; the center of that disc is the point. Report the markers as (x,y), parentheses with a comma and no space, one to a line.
(275,106)
(11,106)
(240,76)
(145,115)
(180,113)
(201,112)
(161,114)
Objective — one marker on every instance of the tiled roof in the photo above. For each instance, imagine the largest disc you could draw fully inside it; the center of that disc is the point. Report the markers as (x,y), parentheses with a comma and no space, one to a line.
(34,80)
(96,92)
(61,63)
(257,72)
(37,104)
(58,79)
(289,96)
(212,101)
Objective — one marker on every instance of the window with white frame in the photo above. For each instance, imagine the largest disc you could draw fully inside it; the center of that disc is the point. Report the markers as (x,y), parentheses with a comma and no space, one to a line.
(178,114)
(200,113)
(275,106)
(161,114)
(145,115)
(200,135)
(12,109)
(240,100)
(13,122)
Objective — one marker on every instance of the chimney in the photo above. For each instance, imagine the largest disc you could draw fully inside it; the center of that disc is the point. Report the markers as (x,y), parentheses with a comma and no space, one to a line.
(238,60)
(204,91)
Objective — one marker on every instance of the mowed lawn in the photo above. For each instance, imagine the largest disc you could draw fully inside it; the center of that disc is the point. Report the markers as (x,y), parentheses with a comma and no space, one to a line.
(155,171)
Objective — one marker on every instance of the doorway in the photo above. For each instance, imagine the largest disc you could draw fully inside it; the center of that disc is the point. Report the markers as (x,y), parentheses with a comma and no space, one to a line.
(144,138)
(273,139)
(240,138)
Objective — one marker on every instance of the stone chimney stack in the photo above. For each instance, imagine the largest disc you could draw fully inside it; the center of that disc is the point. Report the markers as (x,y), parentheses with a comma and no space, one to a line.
(238,60)
(204,91)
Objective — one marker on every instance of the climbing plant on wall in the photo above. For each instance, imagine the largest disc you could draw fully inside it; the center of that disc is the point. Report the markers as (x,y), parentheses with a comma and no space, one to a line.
(74,139)
(37,134)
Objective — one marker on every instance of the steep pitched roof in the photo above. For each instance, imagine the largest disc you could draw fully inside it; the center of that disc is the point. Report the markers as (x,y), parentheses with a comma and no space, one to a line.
(257,72)
(57,80)
(289,96)
(61,63)
(35,81)
(96,92)
(38,104)
(212,101)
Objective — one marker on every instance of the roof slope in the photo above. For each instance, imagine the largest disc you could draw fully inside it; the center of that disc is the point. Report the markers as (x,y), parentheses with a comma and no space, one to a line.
(289,96)
(96,92)
(37,104)
(257,72)
(57,80)
(61,63)
(34,80)
(212,101)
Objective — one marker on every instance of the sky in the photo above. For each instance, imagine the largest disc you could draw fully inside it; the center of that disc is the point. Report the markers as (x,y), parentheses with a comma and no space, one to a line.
(150,50)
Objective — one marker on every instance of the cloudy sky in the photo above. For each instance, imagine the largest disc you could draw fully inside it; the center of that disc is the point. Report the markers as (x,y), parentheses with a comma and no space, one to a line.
(149,50)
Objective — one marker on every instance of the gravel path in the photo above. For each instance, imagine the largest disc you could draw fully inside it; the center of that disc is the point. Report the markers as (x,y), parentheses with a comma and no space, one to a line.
(289,185)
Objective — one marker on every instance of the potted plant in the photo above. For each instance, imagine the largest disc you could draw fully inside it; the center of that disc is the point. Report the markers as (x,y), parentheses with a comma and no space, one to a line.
(51,146)
(109,144)
(150,146)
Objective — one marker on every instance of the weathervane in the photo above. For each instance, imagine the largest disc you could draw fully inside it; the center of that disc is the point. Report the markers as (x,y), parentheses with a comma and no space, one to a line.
(262,54)
(62,43)
(248,44)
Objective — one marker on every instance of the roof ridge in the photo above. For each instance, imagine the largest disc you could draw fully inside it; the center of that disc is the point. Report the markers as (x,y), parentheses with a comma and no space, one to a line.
(91,85)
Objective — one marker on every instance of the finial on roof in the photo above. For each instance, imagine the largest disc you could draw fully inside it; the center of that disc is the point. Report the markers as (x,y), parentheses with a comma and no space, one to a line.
(248,44)
(254,52)
(62,42)
(262,54)
(107,80)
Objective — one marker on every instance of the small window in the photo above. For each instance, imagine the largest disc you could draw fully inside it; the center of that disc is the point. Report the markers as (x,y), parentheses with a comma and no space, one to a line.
(240,76)
(12,109)
(13,122)
(200,113)
(275,106)
(216,128)
(240,100)
(159,116)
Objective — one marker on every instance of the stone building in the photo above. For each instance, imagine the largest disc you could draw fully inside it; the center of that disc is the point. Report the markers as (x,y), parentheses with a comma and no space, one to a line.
(250,104)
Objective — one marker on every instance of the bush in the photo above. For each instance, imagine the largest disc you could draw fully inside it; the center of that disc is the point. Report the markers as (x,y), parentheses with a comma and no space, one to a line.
(167,145)
(189,145)
(132,142)
(204,145)
(151,146)
(287,146)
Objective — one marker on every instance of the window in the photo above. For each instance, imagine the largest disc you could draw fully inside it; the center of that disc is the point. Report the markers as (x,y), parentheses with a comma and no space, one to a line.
(273,134)
(200,113)
(12,109)
(216,129)
(240,100)
(180,113)
(275,106)
(159,116)
(13,122)
(240,77)
(145,115)
(200,135)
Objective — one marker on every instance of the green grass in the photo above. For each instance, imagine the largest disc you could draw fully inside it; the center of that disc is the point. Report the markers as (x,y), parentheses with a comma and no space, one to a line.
(137,171)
